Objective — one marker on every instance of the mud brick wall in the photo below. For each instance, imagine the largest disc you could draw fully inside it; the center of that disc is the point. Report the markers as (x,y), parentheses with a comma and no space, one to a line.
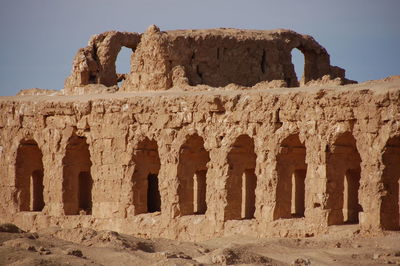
(195,165)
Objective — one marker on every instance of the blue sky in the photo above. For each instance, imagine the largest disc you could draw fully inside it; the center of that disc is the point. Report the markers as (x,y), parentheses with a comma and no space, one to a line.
(40,38)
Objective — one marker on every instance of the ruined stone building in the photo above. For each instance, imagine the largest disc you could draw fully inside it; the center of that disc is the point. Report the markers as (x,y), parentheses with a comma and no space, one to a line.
(208,135)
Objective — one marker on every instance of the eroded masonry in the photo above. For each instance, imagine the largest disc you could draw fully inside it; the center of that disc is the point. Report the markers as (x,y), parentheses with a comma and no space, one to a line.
(208,135)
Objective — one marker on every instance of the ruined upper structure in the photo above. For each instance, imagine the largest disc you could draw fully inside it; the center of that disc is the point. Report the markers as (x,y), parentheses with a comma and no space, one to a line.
(165,59)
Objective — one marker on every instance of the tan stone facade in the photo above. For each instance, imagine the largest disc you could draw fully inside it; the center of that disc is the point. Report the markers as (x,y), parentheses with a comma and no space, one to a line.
(198,164)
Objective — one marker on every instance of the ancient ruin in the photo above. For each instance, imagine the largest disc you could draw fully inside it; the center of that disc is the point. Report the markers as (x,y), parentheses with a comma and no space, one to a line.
(208,135)
(217,57)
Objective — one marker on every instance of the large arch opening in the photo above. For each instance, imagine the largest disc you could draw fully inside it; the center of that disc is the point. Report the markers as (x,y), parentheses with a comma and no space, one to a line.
(192,171)
(77,178)
(242,180)
(29,176)
(390,206)
(123,64)
(292,171)
(343,174)
(146,193)
(298,61)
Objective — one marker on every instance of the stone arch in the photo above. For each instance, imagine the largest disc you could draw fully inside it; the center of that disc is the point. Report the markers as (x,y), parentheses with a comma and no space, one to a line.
(343,180)
(77,178)
(242,180)
(192,171)
(389,213)
(316,60)
(29,176)
(95,64)
(292,170)
(123,64)
(295,54)
(145,183)
(316,64)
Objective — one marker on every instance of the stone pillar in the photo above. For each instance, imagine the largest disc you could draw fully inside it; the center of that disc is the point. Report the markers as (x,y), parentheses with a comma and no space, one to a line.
(8,155)
(265,191)
(167,180)
(315,182)
(53,154)
(216,196)
(371,186)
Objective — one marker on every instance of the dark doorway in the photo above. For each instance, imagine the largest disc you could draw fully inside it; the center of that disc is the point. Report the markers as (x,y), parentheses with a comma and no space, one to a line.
(153,194)
(85,192)
(37,190)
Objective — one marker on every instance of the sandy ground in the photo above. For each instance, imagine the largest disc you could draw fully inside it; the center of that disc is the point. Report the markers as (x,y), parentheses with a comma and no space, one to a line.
(343,245)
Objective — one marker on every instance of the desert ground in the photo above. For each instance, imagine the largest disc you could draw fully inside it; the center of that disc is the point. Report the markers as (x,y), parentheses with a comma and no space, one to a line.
(342,245)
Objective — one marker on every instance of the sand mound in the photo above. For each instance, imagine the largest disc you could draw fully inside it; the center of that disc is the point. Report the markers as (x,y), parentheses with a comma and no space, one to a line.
(235,255)
(114,240)
(91,238)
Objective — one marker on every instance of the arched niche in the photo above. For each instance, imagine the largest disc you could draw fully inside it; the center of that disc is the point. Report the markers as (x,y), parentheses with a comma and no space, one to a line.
(292,170)
(146,193)
(192,171)
(77,178)
(29,176)
(343,180)
(242,180)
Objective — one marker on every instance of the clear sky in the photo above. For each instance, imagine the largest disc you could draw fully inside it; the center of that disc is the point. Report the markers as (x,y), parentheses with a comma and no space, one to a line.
(39,38)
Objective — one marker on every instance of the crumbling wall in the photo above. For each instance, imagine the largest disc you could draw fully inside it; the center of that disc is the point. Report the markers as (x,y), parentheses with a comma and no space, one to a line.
(219,57)
(95,64)
(216,57)
(254,140)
